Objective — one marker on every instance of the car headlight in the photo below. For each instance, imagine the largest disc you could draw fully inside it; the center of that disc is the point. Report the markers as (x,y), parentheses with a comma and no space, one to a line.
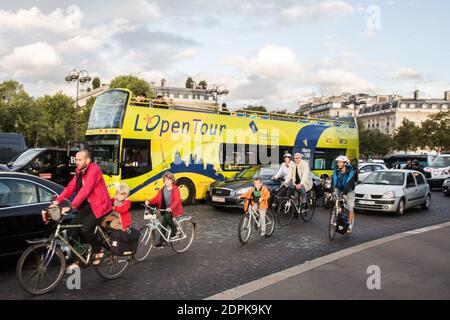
(242,191)
(446,183)
(389,195)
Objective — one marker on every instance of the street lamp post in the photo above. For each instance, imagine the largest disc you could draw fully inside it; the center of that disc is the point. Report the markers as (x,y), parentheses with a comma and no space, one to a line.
(217,90)
(78,77)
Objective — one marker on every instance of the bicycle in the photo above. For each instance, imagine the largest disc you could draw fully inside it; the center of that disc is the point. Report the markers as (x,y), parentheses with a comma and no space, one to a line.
(180,243)
(339,216)
(45,257)
(290,208)
(245,224)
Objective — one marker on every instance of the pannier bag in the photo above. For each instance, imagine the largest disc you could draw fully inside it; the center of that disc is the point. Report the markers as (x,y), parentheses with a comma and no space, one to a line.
(124,243)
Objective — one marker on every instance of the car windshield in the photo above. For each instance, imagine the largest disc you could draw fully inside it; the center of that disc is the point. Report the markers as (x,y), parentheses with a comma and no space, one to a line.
(385,178)
(441,162)
(266,172)
(24,158)
(247,174)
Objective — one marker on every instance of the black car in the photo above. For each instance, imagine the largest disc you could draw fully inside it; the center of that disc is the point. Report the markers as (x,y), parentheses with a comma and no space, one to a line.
(56,165)
(446,187)
(227,193)
(22,197)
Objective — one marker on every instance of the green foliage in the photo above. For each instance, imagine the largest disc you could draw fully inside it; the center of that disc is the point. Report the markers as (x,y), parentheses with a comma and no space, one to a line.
(136,85)
(407,137)
(189,83)
(256,108)
(203,84)
(96,83)
(373,143)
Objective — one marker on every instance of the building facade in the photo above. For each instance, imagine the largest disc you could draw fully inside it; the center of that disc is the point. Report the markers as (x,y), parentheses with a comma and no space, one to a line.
(388,117)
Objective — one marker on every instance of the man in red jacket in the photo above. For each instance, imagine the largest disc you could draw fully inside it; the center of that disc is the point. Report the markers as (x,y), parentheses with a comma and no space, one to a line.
(168,198)
(91,200)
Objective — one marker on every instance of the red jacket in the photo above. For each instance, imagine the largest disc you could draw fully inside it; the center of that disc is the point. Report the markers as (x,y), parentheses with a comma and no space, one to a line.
(94,190)
(124,210)
(175,201)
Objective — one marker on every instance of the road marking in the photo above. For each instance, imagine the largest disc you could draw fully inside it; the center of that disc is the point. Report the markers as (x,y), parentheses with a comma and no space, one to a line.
(247,288)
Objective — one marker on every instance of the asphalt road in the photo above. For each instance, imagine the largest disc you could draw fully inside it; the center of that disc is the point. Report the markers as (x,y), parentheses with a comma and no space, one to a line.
(217,261)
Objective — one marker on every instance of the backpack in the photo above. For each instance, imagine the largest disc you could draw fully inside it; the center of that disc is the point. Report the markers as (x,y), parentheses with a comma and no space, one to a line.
(124,243)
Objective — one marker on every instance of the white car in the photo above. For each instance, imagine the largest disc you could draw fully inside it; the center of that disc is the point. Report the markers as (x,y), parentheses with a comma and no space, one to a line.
(365,169)
(393,191)
(440,171)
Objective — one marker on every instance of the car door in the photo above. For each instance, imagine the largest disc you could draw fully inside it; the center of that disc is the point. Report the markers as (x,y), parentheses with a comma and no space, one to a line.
(411,192)
(21,203)
(422,186)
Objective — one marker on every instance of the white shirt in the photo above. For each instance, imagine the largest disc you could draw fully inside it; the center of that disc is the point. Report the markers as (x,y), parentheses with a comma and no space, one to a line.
(284,170)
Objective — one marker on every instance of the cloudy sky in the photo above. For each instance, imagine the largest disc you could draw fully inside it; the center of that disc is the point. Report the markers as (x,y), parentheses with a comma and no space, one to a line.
(264,51)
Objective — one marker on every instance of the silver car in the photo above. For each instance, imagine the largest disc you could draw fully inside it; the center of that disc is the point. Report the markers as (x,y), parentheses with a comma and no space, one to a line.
(393,191)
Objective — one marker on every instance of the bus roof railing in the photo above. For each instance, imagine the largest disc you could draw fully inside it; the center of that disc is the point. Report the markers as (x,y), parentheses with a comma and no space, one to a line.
(173,104)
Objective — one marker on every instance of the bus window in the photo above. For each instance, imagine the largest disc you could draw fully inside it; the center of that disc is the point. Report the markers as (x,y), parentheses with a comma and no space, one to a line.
(324,158)
(136,158)
(105,152)
(108,110)
(236,157)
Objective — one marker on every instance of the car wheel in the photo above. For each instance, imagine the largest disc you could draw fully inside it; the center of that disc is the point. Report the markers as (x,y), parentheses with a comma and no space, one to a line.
(401,208)
(427,203)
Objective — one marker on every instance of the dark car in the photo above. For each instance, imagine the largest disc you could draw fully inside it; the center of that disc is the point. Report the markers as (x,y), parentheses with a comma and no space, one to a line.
(11,144)
(227,193)
(446,187)
(22,197)
(52,164)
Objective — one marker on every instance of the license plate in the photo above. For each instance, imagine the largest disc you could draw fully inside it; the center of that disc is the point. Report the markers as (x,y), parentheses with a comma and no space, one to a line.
(367,202)
(218,199)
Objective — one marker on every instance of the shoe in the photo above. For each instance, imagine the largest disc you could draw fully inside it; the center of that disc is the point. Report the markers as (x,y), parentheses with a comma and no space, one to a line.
(263,234)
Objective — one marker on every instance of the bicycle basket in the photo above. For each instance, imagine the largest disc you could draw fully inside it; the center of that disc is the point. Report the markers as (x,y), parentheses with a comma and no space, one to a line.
(55,213)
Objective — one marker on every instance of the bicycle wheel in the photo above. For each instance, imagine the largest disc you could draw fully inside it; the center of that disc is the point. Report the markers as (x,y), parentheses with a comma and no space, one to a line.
(284,213)
(270,223)
(245,228)
(145,243)
(333,223)
(38,270)
(186,237)
(112,266)
(308,214)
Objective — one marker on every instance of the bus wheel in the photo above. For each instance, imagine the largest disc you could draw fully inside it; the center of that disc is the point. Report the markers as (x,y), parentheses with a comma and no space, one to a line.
(187,190)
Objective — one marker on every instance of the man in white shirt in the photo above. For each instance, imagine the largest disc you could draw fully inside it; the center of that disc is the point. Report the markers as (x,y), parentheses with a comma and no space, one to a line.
(300,177)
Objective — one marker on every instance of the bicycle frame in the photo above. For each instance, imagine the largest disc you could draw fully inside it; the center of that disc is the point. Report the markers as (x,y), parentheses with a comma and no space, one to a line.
(164,232)
(57,238)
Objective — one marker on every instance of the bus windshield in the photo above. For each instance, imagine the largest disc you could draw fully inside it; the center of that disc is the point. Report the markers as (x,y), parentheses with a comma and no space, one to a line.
(108,110)
(105,152)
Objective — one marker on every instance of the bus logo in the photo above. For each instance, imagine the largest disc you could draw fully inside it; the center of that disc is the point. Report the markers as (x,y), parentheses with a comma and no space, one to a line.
(253,127)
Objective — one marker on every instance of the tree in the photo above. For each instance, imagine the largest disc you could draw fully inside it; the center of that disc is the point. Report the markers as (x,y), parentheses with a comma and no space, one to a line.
(189,83)
(203,84)
(96,83)
(373,143)
(435,132)
(256,108)
(136,85)
(407,136)
(58,115)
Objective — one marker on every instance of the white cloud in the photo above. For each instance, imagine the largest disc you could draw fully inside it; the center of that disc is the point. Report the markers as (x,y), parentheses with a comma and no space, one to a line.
(314,10)
(337,81)
(273,62)
(58,21)
(185,53)
(79,43)
(35,60)
(407,74)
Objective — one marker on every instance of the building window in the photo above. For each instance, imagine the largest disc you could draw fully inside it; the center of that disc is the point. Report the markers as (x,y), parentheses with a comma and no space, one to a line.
(424,106)
(444,106)
(412,106)
(403,105)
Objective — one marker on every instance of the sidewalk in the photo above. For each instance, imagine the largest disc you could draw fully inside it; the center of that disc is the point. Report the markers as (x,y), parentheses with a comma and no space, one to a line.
(413,265)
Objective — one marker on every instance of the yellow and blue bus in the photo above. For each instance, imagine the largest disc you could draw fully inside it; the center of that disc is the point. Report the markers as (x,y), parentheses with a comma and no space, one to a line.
(137,141)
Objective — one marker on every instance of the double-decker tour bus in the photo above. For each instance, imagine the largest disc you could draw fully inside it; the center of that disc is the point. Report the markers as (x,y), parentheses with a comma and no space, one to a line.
(136,141)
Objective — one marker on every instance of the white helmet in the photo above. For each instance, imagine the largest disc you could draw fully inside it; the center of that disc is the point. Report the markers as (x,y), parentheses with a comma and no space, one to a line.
(287,155)
(343,159)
